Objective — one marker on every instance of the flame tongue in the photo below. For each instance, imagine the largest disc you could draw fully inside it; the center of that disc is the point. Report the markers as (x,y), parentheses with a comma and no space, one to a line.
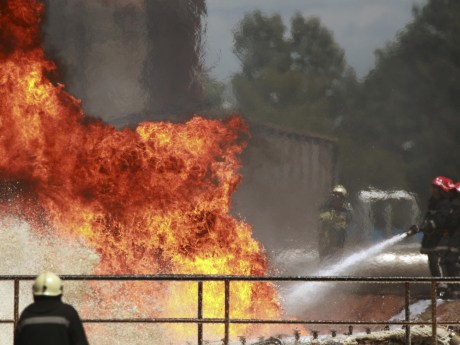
(19,25)
(153,200)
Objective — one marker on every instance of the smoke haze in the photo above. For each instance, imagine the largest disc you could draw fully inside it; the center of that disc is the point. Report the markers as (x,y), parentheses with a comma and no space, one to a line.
(125,58)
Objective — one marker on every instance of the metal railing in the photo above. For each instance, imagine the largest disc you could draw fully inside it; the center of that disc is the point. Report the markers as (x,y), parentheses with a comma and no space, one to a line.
(226,321)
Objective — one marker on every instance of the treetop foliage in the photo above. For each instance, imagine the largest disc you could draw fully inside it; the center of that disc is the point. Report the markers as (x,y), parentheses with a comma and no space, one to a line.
(292,77)
(398,128)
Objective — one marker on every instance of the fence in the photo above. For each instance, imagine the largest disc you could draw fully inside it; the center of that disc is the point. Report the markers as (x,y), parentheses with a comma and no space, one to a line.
(226,321)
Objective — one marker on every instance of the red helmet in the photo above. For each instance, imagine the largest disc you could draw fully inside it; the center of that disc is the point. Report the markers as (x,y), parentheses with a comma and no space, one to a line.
(445,183)
(457,187)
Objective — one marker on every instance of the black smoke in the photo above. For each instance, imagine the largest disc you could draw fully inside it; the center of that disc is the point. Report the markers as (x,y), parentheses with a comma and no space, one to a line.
(133,60)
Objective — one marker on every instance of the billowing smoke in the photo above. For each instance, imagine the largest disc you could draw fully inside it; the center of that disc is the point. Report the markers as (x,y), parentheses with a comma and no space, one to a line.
(174,55)
(131,59)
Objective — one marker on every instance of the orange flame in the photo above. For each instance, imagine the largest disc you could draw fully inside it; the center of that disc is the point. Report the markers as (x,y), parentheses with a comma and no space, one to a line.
(151,200)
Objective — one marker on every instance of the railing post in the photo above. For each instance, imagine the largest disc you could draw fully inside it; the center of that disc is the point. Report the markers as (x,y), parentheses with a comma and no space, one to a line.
(434,336)
(407,311)
(16,306)
(227,311)
(200,313)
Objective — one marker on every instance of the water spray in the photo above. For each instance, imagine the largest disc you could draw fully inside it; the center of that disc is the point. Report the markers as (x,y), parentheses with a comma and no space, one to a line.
(303,294)
(367,198)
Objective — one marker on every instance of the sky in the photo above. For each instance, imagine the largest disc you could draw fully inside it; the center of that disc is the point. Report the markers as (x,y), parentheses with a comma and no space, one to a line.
(359,26)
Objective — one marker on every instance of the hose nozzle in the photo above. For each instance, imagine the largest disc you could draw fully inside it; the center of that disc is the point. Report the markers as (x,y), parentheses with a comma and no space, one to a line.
(412,230)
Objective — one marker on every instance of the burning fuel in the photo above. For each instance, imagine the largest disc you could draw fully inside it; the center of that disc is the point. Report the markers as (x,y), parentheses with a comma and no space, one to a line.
(151,200)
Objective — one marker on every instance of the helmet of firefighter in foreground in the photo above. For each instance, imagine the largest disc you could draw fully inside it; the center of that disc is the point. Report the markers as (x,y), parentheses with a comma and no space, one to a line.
(339,190)
(445,183)
(47,284)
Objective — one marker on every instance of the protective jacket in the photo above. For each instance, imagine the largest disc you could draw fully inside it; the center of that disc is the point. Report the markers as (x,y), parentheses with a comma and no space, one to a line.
(333,225)
(50,321)
(454,245)
(436,226)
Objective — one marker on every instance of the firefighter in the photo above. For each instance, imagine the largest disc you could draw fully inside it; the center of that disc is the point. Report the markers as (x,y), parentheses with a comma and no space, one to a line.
(334,221)
(436,228)
(48,320)
(452,257)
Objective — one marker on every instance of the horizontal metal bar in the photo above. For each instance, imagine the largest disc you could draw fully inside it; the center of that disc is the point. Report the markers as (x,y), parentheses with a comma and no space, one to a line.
(248,321)
(346,322)
(185,277)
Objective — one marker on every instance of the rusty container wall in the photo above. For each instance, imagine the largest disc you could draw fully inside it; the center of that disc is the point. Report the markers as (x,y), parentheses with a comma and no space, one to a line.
(286,176)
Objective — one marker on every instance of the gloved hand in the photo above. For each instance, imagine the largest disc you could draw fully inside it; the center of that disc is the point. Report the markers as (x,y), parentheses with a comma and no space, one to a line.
(413,230)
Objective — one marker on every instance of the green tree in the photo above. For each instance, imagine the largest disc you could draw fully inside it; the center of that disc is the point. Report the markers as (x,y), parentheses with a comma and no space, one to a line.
(297,79)
(213,101)
(409,105)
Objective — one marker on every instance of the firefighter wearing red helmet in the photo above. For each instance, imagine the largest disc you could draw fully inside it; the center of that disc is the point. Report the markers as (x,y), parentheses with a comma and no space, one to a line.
(436,228)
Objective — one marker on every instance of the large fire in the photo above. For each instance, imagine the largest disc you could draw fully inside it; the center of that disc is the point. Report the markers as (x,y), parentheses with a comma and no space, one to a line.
(150,200)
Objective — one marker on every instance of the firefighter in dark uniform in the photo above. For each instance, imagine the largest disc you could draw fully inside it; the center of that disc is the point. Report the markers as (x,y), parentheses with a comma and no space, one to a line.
(49,321)
(334,221)
(452,258)
(436,229)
